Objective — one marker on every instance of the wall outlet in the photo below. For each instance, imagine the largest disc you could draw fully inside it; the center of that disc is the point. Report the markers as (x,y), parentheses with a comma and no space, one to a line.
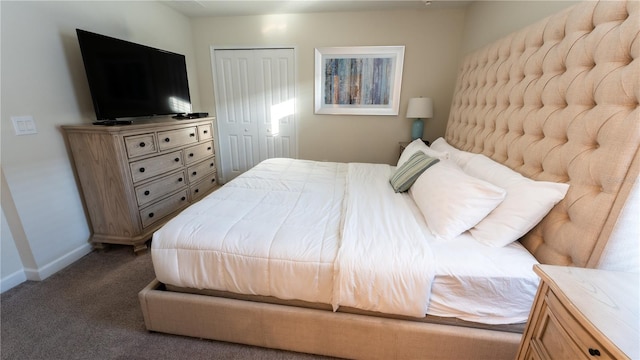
(24,125)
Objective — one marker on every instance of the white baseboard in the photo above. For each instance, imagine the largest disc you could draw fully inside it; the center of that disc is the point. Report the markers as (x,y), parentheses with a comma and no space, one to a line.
(45,271)
(12,280)
(58,264)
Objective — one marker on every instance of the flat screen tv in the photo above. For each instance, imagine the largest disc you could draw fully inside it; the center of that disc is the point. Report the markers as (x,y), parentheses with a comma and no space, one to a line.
(129,80)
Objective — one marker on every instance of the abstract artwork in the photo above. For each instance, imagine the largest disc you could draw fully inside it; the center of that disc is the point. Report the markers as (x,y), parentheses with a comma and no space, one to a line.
(364,80)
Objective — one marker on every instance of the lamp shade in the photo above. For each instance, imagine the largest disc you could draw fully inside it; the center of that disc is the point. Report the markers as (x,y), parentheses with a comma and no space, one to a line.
(420,108)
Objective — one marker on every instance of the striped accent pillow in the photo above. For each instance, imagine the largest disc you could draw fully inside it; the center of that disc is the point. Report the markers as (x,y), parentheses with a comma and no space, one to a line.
(407,173)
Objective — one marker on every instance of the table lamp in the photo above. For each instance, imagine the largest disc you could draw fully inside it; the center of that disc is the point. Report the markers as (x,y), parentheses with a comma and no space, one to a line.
(419,108)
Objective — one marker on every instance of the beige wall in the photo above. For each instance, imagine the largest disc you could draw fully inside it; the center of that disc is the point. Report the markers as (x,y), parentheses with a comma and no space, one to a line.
(487,21)
(43,76)
(432,39)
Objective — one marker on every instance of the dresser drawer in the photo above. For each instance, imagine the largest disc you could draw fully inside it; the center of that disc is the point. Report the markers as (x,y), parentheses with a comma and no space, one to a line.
(163,208)
(139,145)
(148,168)
(205,132)
(583,340)
(203,187)
(174,138)
(198,152)
(551,340)
(154,190)
(532,355)
(200,170)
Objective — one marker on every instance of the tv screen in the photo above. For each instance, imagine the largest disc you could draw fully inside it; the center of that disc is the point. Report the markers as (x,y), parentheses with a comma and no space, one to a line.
(129,80)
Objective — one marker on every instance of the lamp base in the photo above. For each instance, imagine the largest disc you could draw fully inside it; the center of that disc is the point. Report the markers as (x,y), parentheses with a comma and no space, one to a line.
(416,129)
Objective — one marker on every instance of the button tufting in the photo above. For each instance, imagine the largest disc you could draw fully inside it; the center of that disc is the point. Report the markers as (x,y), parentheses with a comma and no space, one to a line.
(554,64)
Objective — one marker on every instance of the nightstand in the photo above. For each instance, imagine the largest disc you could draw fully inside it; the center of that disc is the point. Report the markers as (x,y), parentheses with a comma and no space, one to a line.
(583,314)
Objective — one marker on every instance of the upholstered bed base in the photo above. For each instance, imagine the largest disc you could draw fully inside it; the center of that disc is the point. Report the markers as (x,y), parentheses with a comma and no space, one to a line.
(317,331)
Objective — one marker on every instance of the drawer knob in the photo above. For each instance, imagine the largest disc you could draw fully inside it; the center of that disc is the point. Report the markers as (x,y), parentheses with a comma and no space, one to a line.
(141,169)
(180,179)
(194,173)
(183,198)
(176,159)
(192,134)
(147,192)
(206,131)
(594,352)
(213,180)
(191,155)
(150,215)
(167,139)
(196,191)
(142,144)
(209,148)
(211,165)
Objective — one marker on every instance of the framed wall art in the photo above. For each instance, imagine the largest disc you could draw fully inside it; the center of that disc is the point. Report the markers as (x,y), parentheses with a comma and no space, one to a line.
(359,80)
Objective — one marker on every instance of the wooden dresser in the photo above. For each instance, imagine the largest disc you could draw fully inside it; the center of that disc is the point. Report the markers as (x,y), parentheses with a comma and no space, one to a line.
(583,314)
(134,178)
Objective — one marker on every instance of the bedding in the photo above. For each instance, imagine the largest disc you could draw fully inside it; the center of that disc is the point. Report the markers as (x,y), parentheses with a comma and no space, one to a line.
(339,234)
(419,145)
(452,201)
(274,231)
(526,202)
(461,158)
(405,175)
(385,262)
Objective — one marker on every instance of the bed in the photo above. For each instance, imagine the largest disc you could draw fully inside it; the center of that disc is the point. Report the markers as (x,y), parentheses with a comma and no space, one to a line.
(297,255)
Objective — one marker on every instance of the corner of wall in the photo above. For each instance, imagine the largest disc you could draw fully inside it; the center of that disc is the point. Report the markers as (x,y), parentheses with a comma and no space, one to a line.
(43,272)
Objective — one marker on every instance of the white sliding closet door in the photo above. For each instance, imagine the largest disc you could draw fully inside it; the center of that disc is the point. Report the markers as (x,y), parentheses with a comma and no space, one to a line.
(255,107)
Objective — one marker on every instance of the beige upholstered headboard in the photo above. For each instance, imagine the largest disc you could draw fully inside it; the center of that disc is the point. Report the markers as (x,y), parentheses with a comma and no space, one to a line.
(558,101)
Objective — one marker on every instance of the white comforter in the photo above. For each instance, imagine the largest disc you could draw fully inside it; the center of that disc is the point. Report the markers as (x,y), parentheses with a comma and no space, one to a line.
(277,230)
(273,231)
(384,263)
(337,234)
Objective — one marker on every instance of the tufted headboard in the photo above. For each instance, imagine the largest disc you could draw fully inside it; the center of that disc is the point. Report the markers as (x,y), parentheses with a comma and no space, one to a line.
(558,101)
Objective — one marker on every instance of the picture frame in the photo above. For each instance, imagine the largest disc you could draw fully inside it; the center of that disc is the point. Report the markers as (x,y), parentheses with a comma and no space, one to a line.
(358,80)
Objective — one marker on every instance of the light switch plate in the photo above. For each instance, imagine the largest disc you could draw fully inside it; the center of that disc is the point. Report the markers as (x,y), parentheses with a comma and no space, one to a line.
(24,125)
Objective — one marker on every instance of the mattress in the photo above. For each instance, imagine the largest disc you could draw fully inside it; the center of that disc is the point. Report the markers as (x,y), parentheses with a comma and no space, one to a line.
(278,230)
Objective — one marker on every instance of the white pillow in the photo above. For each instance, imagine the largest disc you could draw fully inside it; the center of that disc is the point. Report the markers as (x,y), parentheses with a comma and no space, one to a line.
(527,202)
(451,201)
(419,145)
(460,157)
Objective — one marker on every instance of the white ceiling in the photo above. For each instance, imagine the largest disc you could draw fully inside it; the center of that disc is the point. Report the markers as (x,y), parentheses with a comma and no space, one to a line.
(200,8)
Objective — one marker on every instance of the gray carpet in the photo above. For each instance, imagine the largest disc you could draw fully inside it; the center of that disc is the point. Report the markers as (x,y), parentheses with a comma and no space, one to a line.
(90,310)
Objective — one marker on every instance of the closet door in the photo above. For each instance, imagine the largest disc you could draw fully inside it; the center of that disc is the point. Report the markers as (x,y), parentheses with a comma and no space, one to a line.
(275,98)
(236,112)
(255,94)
